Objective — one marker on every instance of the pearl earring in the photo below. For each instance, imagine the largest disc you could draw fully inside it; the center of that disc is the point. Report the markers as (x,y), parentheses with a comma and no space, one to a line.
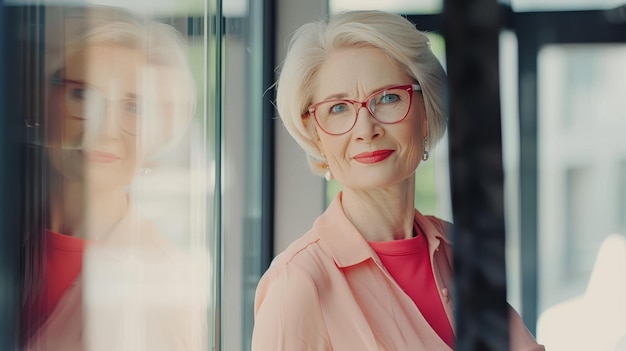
(328,175)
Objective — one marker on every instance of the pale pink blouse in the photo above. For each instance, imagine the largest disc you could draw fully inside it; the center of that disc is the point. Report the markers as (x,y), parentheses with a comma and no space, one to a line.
(329,291)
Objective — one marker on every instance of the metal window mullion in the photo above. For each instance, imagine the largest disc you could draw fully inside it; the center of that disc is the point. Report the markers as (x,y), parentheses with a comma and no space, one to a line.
(472,29)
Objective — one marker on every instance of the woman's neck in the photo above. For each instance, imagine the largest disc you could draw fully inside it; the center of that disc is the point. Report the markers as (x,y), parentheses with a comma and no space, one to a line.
(384,214)
(84,212)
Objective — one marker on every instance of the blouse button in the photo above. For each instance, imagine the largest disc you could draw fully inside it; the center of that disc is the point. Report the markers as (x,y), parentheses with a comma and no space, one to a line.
(444,292)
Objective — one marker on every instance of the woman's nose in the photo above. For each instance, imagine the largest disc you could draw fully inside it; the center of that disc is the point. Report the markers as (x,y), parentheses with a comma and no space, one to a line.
(111,123)
(366,127)
(103,121)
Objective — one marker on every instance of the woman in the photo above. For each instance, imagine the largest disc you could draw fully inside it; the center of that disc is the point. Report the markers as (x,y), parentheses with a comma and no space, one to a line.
(363,95)
(119,93)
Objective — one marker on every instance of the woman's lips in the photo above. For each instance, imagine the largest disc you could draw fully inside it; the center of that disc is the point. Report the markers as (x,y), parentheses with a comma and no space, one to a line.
(101,156)
(373,157)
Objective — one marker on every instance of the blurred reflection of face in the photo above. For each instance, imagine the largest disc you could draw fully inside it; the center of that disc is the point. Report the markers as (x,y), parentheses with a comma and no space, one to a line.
(95,121)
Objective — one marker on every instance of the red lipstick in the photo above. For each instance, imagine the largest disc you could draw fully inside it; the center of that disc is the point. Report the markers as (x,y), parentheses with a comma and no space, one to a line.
(373,157)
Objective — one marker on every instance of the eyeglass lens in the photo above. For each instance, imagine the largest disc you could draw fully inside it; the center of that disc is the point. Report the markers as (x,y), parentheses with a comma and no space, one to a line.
(87,103)
(387,106)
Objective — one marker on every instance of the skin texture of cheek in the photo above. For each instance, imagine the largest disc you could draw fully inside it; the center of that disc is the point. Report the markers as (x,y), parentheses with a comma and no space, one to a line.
(74,134)
(414,152)
(62,142)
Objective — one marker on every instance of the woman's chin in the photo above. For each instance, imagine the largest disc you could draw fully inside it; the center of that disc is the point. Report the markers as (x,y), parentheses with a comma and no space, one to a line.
(98,179)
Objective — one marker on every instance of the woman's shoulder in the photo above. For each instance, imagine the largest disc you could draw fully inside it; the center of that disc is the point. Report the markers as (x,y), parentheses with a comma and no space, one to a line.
(305,253)
(288,290)
(307,263)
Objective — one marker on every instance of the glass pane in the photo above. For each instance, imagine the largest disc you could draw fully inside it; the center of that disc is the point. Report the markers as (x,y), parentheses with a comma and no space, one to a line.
(582,239)
(556,5)
(511,159)
(397,6)
(244,98)
(119,227)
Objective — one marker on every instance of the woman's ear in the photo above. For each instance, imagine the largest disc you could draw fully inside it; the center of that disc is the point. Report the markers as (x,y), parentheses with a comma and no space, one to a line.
(318,144)
(316,140)
(311,127)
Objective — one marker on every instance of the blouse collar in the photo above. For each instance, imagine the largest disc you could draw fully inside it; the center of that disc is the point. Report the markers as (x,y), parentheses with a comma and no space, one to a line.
(347,245)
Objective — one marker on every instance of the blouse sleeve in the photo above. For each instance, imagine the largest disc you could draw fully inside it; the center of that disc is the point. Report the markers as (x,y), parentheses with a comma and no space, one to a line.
(520,337)
(288,314)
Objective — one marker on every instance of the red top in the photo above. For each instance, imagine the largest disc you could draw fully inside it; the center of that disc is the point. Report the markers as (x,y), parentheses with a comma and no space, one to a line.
(63,263)
(64,260)
(408,262)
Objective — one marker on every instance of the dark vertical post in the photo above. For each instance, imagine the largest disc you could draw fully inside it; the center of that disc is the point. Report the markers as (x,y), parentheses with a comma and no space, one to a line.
(11,196)
(269,114)
(471,29)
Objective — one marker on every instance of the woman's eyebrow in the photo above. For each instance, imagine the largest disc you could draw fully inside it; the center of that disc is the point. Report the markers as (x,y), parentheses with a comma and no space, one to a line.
(335,96)
(71,81)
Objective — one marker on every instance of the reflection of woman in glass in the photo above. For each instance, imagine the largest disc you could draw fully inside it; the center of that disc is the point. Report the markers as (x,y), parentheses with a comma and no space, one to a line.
(121,93)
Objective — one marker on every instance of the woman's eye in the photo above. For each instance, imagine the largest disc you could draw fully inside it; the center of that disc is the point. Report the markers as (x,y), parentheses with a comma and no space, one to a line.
(131,107)
(389,98)
(338,108)
(77,93)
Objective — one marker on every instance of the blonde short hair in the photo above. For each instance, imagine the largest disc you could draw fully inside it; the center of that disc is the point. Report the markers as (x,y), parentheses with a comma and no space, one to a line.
(311,45)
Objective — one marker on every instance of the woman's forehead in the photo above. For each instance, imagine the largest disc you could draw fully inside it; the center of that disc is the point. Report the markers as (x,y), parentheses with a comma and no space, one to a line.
(107,67)
(356,73)
(109,56)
